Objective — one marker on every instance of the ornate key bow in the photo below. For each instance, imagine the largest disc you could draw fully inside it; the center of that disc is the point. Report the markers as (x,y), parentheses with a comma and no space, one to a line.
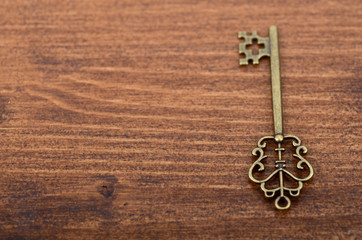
(271,50)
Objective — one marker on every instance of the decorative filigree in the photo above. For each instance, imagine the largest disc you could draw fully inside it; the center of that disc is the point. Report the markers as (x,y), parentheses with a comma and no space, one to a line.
(280,170)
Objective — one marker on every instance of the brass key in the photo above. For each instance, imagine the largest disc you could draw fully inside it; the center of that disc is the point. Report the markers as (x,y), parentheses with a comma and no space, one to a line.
(271,49)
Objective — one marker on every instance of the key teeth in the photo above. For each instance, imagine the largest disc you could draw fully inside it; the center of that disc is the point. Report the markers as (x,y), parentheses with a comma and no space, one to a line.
(243,62)
(242,34)
(248,40)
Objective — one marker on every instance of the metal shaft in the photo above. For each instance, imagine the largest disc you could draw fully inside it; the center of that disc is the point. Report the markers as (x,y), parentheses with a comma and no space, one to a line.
(276,83)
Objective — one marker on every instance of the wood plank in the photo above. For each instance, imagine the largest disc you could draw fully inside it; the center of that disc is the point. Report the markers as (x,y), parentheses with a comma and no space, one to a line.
(132,119)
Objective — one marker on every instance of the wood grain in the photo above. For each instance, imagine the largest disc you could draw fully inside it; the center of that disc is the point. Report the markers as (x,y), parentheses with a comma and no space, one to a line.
(132,119)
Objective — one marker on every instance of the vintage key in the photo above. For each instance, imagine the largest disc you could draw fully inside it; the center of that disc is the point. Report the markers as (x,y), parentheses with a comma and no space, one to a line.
(271,50)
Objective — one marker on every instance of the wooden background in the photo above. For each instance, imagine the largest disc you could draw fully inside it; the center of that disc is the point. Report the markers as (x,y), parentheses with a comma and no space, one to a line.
(132,119)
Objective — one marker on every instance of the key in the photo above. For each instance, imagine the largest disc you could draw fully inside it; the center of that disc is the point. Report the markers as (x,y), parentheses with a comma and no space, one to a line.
(271,50)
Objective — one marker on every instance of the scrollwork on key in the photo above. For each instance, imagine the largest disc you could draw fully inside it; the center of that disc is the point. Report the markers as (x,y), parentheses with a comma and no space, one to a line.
(280,171)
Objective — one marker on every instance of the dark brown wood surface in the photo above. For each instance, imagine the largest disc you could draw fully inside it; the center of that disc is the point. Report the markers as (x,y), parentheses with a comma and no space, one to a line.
(132,119)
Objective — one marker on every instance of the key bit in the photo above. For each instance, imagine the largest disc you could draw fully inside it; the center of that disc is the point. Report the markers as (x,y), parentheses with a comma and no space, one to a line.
(248,40)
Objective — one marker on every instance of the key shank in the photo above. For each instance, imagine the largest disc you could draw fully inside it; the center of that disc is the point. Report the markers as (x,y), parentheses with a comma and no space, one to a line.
(276,84)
